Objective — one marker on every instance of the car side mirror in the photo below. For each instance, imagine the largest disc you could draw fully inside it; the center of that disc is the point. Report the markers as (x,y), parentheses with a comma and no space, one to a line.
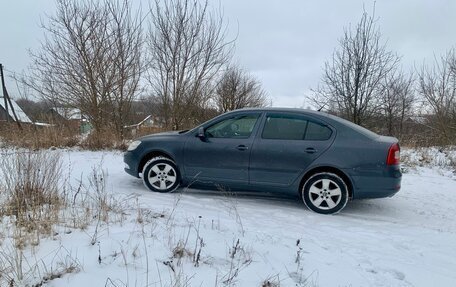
(201,134)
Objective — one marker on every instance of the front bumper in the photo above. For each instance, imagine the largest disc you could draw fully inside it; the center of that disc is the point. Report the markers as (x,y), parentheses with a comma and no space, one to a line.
(131,163)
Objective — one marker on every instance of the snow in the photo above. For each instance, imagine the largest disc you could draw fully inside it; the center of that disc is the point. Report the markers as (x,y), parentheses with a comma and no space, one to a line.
(43,124)
(406,240)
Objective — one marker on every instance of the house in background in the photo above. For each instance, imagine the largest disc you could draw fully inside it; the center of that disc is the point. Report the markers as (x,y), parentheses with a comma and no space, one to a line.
(147,126)
(70,117)
(9,116)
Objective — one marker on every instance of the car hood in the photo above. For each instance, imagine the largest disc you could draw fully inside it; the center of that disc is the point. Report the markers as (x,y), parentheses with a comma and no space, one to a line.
(161,135)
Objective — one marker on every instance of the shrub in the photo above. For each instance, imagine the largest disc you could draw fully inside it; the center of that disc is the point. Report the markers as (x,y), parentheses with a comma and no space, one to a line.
(30,188)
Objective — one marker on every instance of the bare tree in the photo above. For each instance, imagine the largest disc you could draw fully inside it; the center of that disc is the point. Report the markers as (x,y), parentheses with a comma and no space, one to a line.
(91,59)
(397,101)
(127,45)
(352,79)
(187,50)
(437,86)
(236,89)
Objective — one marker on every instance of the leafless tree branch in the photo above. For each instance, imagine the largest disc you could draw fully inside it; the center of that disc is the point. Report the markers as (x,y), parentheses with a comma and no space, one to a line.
(437,86)
(91,59)
(352,80)
(187,50)
(236,89)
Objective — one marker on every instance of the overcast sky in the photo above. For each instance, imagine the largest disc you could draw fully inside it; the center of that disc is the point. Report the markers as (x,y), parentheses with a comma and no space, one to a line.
(283,43)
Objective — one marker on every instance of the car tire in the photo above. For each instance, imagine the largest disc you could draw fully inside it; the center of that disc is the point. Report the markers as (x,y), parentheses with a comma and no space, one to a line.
(325,193)
(161,174)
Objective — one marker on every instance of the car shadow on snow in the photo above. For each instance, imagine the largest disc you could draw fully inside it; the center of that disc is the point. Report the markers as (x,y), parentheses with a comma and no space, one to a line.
(354,207)
(286,201)
(380,209)
(243,196)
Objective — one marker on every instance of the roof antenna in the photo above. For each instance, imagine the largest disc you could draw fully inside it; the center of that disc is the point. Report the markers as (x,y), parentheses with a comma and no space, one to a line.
(324,105)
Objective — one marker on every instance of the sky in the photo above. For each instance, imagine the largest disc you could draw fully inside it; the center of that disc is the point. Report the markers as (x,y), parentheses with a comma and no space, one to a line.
(284,44)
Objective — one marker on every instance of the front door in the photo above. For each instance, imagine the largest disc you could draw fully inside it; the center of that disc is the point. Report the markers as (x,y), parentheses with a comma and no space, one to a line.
(224,154)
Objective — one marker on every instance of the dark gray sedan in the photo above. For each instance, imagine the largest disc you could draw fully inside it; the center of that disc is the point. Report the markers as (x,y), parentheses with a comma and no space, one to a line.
(323,159)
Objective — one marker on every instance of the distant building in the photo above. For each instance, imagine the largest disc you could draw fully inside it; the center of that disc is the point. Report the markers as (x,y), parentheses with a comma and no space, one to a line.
(70,117)
(9,116)
(146,126)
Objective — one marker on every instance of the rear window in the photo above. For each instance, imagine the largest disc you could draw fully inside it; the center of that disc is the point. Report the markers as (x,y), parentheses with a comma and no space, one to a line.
(284,127)
(287,127)
(317,132)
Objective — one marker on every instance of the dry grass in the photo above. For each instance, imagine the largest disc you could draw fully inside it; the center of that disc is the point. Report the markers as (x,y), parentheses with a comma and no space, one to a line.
(31,204)
(37,201)
(35,137)
(180,251)
(30,189)
(61,136)
(240,258)
(271,281)
(106,139)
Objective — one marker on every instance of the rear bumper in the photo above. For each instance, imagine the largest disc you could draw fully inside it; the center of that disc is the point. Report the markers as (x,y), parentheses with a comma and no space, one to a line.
(376,183)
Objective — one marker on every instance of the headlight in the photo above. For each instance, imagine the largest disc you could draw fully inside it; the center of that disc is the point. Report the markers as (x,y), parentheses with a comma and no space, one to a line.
(133,145)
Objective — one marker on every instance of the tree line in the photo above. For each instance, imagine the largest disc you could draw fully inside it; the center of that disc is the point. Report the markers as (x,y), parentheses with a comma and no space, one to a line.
(363,82)
(110,60)
(103,56)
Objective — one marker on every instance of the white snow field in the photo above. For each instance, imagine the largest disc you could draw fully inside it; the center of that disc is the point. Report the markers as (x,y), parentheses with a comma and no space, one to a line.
(211,238)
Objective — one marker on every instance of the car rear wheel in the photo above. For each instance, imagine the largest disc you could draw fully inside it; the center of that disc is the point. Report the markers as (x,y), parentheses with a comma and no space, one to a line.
(161,174)
(325,193)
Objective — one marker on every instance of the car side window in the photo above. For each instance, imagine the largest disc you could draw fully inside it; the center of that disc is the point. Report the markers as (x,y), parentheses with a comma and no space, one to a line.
(235,127)
(284,127)
(317,132)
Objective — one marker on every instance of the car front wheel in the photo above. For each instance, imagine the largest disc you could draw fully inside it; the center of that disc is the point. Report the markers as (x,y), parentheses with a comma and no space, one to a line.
(325,193)
(161,174)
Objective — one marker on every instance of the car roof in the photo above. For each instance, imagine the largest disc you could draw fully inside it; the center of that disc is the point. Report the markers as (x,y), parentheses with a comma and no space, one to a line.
(332,119)
(295,110)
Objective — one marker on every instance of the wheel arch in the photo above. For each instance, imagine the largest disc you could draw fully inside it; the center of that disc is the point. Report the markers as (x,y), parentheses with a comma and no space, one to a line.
(330,169)
(150,155)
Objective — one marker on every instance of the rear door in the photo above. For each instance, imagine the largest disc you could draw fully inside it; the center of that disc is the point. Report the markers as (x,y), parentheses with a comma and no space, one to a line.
(225,153)
(285,146)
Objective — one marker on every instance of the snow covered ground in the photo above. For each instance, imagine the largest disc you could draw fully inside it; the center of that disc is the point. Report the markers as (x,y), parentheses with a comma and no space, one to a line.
(249,240)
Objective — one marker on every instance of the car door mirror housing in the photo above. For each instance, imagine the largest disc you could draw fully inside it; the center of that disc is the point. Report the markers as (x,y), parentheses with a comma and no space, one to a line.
(201,134)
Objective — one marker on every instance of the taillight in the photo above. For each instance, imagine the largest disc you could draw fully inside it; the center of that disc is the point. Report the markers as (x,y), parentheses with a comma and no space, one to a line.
(394,155)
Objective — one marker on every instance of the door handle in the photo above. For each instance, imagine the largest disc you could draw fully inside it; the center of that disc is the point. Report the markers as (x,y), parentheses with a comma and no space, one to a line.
(311,150)
(242,147)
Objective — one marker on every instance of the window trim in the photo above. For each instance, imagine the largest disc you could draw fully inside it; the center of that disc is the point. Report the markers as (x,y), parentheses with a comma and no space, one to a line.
(288,116)
(235,116)
(299,116)
(321,124)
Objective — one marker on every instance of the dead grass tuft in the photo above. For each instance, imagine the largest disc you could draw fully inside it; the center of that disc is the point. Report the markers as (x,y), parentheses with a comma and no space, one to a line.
(180,251)
(38,137)
(105,139)
(30,184)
